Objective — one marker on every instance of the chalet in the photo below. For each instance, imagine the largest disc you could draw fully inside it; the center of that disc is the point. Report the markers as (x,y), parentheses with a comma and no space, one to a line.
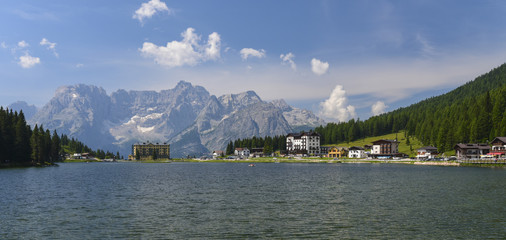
(218,153)
(303,143)
(337,152)
(427,152)
(467,150)
(385,149)
(498,147)
(257,152)
(356,152)
(242,152)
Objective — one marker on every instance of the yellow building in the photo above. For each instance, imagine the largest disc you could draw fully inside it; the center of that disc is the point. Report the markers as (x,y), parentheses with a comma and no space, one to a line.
(337,152)
(149,150)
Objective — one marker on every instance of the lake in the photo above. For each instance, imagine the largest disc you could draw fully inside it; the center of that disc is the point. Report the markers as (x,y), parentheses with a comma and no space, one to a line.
(270,200)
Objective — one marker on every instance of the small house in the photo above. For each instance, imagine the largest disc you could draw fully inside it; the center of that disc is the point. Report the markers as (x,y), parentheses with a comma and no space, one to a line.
(337,152)
(427,152)
(356,152)
(242,152)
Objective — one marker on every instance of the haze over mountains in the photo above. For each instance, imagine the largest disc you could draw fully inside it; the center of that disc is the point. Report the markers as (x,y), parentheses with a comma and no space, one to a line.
(187,116)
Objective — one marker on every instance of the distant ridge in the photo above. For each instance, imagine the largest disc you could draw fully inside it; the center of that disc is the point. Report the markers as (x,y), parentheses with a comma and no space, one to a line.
(187,116)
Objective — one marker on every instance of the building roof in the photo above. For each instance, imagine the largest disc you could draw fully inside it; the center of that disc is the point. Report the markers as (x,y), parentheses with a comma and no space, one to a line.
(241,149)
(150,143)
(356,148)
(499,139)
(431,148)
(384,141)
(298,135)
(472,146)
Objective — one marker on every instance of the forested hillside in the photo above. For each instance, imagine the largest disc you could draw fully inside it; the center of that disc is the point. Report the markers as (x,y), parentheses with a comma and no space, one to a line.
(474,112)
(20,145)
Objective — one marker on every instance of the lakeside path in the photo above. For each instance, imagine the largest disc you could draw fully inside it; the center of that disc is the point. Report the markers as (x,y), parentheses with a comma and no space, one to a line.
(344,161)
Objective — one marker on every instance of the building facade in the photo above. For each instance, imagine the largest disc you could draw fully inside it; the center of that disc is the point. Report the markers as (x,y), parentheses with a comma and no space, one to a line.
(242,152)
(427,152)
(303,143)
(356,152)
(499,147)
(385,149)
(147,150)
(336,152)
(471,150)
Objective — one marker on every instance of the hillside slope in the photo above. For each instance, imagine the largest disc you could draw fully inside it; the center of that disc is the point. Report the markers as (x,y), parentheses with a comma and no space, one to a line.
(473,112)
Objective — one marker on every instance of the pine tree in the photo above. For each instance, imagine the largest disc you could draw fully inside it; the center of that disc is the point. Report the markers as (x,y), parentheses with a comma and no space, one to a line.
(35,142)
(55,147)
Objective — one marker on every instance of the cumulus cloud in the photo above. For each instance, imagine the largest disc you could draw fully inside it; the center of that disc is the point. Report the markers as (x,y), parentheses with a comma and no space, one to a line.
(288,59)
(213,47)
(336,107)
(318,67)
(186,52)
(23,44)
(378,108)
(50,45)
(147,10)
(3,45)
(246,52)
(28,61)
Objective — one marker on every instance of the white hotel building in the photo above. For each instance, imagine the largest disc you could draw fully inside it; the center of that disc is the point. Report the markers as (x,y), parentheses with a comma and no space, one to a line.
(303,143)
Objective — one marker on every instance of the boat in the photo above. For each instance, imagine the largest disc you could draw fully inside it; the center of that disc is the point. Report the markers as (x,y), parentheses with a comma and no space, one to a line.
(251,165)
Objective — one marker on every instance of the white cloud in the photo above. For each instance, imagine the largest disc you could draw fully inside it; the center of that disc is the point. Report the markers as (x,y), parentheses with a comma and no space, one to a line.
(318,67)
(23,44)
(288,58)
(426,48)
(79,65)
(147,10)
(336,107)
(212,50)
(50,46)
(378,108)
(3,45)
(28,61)
(246,52)
(186,52)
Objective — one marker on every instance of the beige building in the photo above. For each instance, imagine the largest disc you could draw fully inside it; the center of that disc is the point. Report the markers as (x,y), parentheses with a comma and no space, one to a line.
(147,150)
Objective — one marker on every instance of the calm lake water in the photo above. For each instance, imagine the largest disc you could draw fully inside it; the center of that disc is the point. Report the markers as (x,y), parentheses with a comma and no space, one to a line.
(232,200)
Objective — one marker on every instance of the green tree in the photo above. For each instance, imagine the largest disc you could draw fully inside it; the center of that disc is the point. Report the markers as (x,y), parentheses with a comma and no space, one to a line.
(55,147)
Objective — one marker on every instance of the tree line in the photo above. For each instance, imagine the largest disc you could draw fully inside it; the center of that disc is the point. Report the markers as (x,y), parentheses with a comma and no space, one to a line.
(22,145)
(269,144)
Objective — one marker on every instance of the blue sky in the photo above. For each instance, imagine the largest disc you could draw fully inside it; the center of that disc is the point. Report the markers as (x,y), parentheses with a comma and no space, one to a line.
(341,59)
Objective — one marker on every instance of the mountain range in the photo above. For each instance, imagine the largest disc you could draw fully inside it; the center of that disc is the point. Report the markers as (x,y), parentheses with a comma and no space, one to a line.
(188,117)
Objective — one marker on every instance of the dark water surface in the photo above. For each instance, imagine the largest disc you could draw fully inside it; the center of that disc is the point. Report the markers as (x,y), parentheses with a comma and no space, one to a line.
(232,200)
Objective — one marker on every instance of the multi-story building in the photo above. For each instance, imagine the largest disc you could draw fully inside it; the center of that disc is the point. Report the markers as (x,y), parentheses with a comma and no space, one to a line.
(471,150)
(499,147)
(147,150)
(303,143)
(385,149)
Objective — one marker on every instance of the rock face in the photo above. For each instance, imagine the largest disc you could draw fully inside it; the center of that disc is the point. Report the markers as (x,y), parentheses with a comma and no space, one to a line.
(187,116)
